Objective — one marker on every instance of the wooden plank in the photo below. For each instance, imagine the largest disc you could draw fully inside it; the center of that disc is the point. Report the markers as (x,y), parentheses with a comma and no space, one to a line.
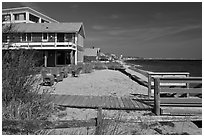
(157,96)
(162,119)
(99,124)
(67,100)
(180,81)
(182,90)
(108,103)
(139,104)
(91,103)
(120,102)
(125,102)
(182,105)
(134,102)
(73,101)
(104,101)
(143,106)
(76,102)
(63,98)
(169,73)
(100,100)
(117,104)
(84,101)
(131,105)
(56,99)
(88,101)
(80,99)
(182,110)
(180,78)
(95,102)
(111,99)
(181,100)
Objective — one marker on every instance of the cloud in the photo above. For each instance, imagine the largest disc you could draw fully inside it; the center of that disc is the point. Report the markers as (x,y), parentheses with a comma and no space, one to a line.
(74,6)
(114,16)
(150,33)
(99,27)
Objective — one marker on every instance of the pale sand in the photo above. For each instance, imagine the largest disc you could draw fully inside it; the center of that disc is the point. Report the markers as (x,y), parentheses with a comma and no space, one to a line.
(109,82)
(99,83)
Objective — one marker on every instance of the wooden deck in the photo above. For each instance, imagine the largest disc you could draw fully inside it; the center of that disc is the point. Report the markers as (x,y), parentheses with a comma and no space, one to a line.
(106,102)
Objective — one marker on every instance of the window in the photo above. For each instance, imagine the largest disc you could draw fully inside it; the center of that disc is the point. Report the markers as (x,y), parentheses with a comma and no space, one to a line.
(16,17)
(4,38)
(28,36)
(6,17)
(44,21)
(45,37)
(23,37)
(33,18)
(69,37)
(22,16)
(51,37)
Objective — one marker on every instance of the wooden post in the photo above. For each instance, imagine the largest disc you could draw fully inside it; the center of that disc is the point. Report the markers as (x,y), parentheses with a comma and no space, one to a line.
(187,86)
(99,122)
(149,85)
(45,58)
(157,96)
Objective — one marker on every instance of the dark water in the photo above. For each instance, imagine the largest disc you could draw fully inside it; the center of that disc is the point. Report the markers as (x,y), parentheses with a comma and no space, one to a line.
(194,67)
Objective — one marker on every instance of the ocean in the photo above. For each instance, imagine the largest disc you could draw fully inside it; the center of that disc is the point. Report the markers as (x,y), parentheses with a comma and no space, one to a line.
(194,67)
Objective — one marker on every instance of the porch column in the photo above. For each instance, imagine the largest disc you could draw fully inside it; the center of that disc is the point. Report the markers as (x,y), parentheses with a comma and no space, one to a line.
(55,39)
(75,57)
(71,57)
(45,59)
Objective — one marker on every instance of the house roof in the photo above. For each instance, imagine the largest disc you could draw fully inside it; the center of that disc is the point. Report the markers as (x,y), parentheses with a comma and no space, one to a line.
(48,27)
(20,9)
(91,51)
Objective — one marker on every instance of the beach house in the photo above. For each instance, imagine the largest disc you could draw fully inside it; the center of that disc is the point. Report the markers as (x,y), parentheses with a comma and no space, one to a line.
(59,43)
(25,15)
(91,54)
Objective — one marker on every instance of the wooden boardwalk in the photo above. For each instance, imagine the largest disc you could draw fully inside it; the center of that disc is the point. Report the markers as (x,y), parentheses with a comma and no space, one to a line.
(106,102)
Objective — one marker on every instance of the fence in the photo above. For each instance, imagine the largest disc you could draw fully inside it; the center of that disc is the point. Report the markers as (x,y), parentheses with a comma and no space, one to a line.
(151,75)
(184,101)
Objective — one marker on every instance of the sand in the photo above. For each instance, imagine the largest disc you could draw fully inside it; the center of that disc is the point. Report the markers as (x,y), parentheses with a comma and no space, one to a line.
(110,82)
(99,83)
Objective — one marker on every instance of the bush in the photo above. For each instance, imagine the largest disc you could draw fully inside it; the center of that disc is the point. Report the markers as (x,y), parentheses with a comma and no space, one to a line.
(85,67)
(21,99)
(99,66)
(114,66)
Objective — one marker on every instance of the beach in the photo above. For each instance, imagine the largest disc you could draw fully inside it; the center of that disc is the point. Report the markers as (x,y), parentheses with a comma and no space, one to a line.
(110,83)
(100,83)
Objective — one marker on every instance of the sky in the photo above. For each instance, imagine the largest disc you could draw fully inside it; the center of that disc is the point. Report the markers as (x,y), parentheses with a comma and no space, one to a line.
(139,29)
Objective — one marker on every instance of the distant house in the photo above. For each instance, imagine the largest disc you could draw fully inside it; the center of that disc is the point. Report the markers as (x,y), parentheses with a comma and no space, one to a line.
(24,15)
(91,54)
(60,43)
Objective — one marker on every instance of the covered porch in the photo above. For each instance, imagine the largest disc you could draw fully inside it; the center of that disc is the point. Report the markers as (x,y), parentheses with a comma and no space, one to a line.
(56,58)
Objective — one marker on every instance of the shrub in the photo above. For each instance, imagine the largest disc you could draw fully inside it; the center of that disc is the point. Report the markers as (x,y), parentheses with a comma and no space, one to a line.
(21,99)
(85,67)
(99,66)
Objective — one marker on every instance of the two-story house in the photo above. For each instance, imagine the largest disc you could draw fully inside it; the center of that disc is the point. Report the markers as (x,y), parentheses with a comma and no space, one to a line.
(24,15)
(60,43)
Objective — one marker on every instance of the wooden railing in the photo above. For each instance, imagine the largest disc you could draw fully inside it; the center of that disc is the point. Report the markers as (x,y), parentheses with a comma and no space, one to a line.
(100,122)
(151,76)
(187,97)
